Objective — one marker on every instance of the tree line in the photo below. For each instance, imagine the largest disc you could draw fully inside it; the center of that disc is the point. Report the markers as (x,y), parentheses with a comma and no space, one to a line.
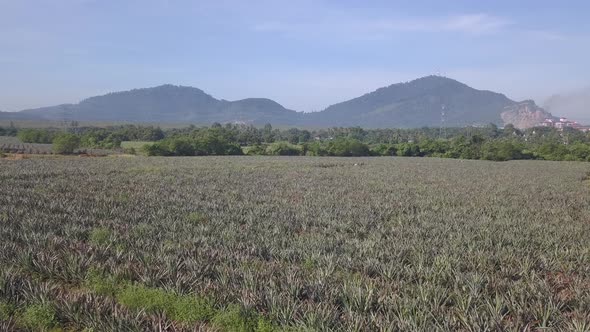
(486,143)
(8,131)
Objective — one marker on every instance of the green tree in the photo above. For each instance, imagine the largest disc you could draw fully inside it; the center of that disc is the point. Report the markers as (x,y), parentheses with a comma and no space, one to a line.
(283,149)
(502,150)
(408,150)
(267,133)
(580,151)
(65,143)
(43,136)
(552,151)
(384,150)
(344,147)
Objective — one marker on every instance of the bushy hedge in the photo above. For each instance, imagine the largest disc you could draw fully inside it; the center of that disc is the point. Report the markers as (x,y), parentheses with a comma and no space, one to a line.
(8,131)
(283,149)
(65,143)
(43,136)
(187,146)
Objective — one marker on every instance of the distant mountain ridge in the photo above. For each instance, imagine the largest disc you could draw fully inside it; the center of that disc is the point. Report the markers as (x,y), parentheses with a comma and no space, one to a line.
(418,103)
(165,103)
(427,101)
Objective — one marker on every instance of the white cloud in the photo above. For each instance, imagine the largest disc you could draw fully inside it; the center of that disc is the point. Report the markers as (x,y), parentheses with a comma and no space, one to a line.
(475,23)
(349,26)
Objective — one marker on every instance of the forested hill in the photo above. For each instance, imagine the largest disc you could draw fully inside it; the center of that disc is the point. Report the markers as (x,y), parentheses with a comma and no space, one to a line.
(413,104)
(421,103)
(165,104)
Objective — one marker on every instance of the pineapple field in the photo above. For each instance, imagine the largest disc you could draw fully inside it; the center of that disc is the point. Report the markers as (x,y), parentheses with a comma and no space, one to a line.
(293,244)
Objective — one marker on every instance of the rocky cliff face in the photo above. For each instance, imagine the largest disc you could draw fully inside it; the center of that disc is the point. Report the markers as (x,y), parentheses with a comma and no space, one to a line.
(524,115)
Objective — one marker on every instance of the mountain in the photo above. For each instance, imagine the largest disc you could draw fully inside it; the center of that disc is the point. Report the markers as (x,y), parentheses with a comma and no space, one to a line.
(427,101)
(419,103)
(166,104)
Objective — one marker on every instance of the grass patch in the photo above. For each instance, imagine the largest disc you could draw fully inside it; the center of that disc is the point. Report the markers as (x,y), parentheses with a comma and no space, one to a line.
(6,311)
(143,298)
(236,319)
(100,283)
(100,236)
(186,309)
(189,309)
(180,308)
(39,317)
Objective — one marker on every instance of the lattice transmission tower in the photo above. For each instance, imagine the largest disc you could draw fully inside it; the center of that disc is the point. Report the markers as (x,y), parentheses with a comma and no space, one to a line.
(443,122)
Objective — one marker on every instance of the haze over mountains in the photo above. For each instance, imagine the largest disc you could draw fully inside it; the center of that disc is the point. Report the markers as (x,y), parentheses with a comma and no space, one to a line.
(418,103)
(576,104)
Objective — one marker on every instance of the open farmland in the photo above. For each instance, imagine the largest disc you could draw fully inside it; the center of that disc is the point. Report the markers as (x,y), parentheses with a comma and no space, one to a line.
(14,145)
(270,243)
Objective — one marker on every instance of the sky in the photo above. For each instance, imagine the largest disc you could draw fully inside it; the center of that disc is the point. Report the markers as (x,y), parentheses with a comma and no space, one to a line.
(304,54)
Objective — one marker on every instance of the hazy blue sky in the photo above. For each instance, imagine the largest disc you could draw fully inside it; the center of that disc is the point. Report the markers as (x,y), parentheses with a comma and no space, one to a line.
(304,54)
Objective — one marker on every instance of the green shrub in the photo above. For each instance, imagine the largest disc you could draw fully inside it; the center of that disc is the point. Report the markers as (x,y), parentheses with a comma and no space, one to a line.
(315,149)
(191,146)
(181,146)
(580,151)
(384,150)
(42,136)
(255,150)
(283,149)
(346,147)
(130,151)
(502,151)
(65,143)
(408,150)
(39,317)
(552,151)
(156,149)
(233,150)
